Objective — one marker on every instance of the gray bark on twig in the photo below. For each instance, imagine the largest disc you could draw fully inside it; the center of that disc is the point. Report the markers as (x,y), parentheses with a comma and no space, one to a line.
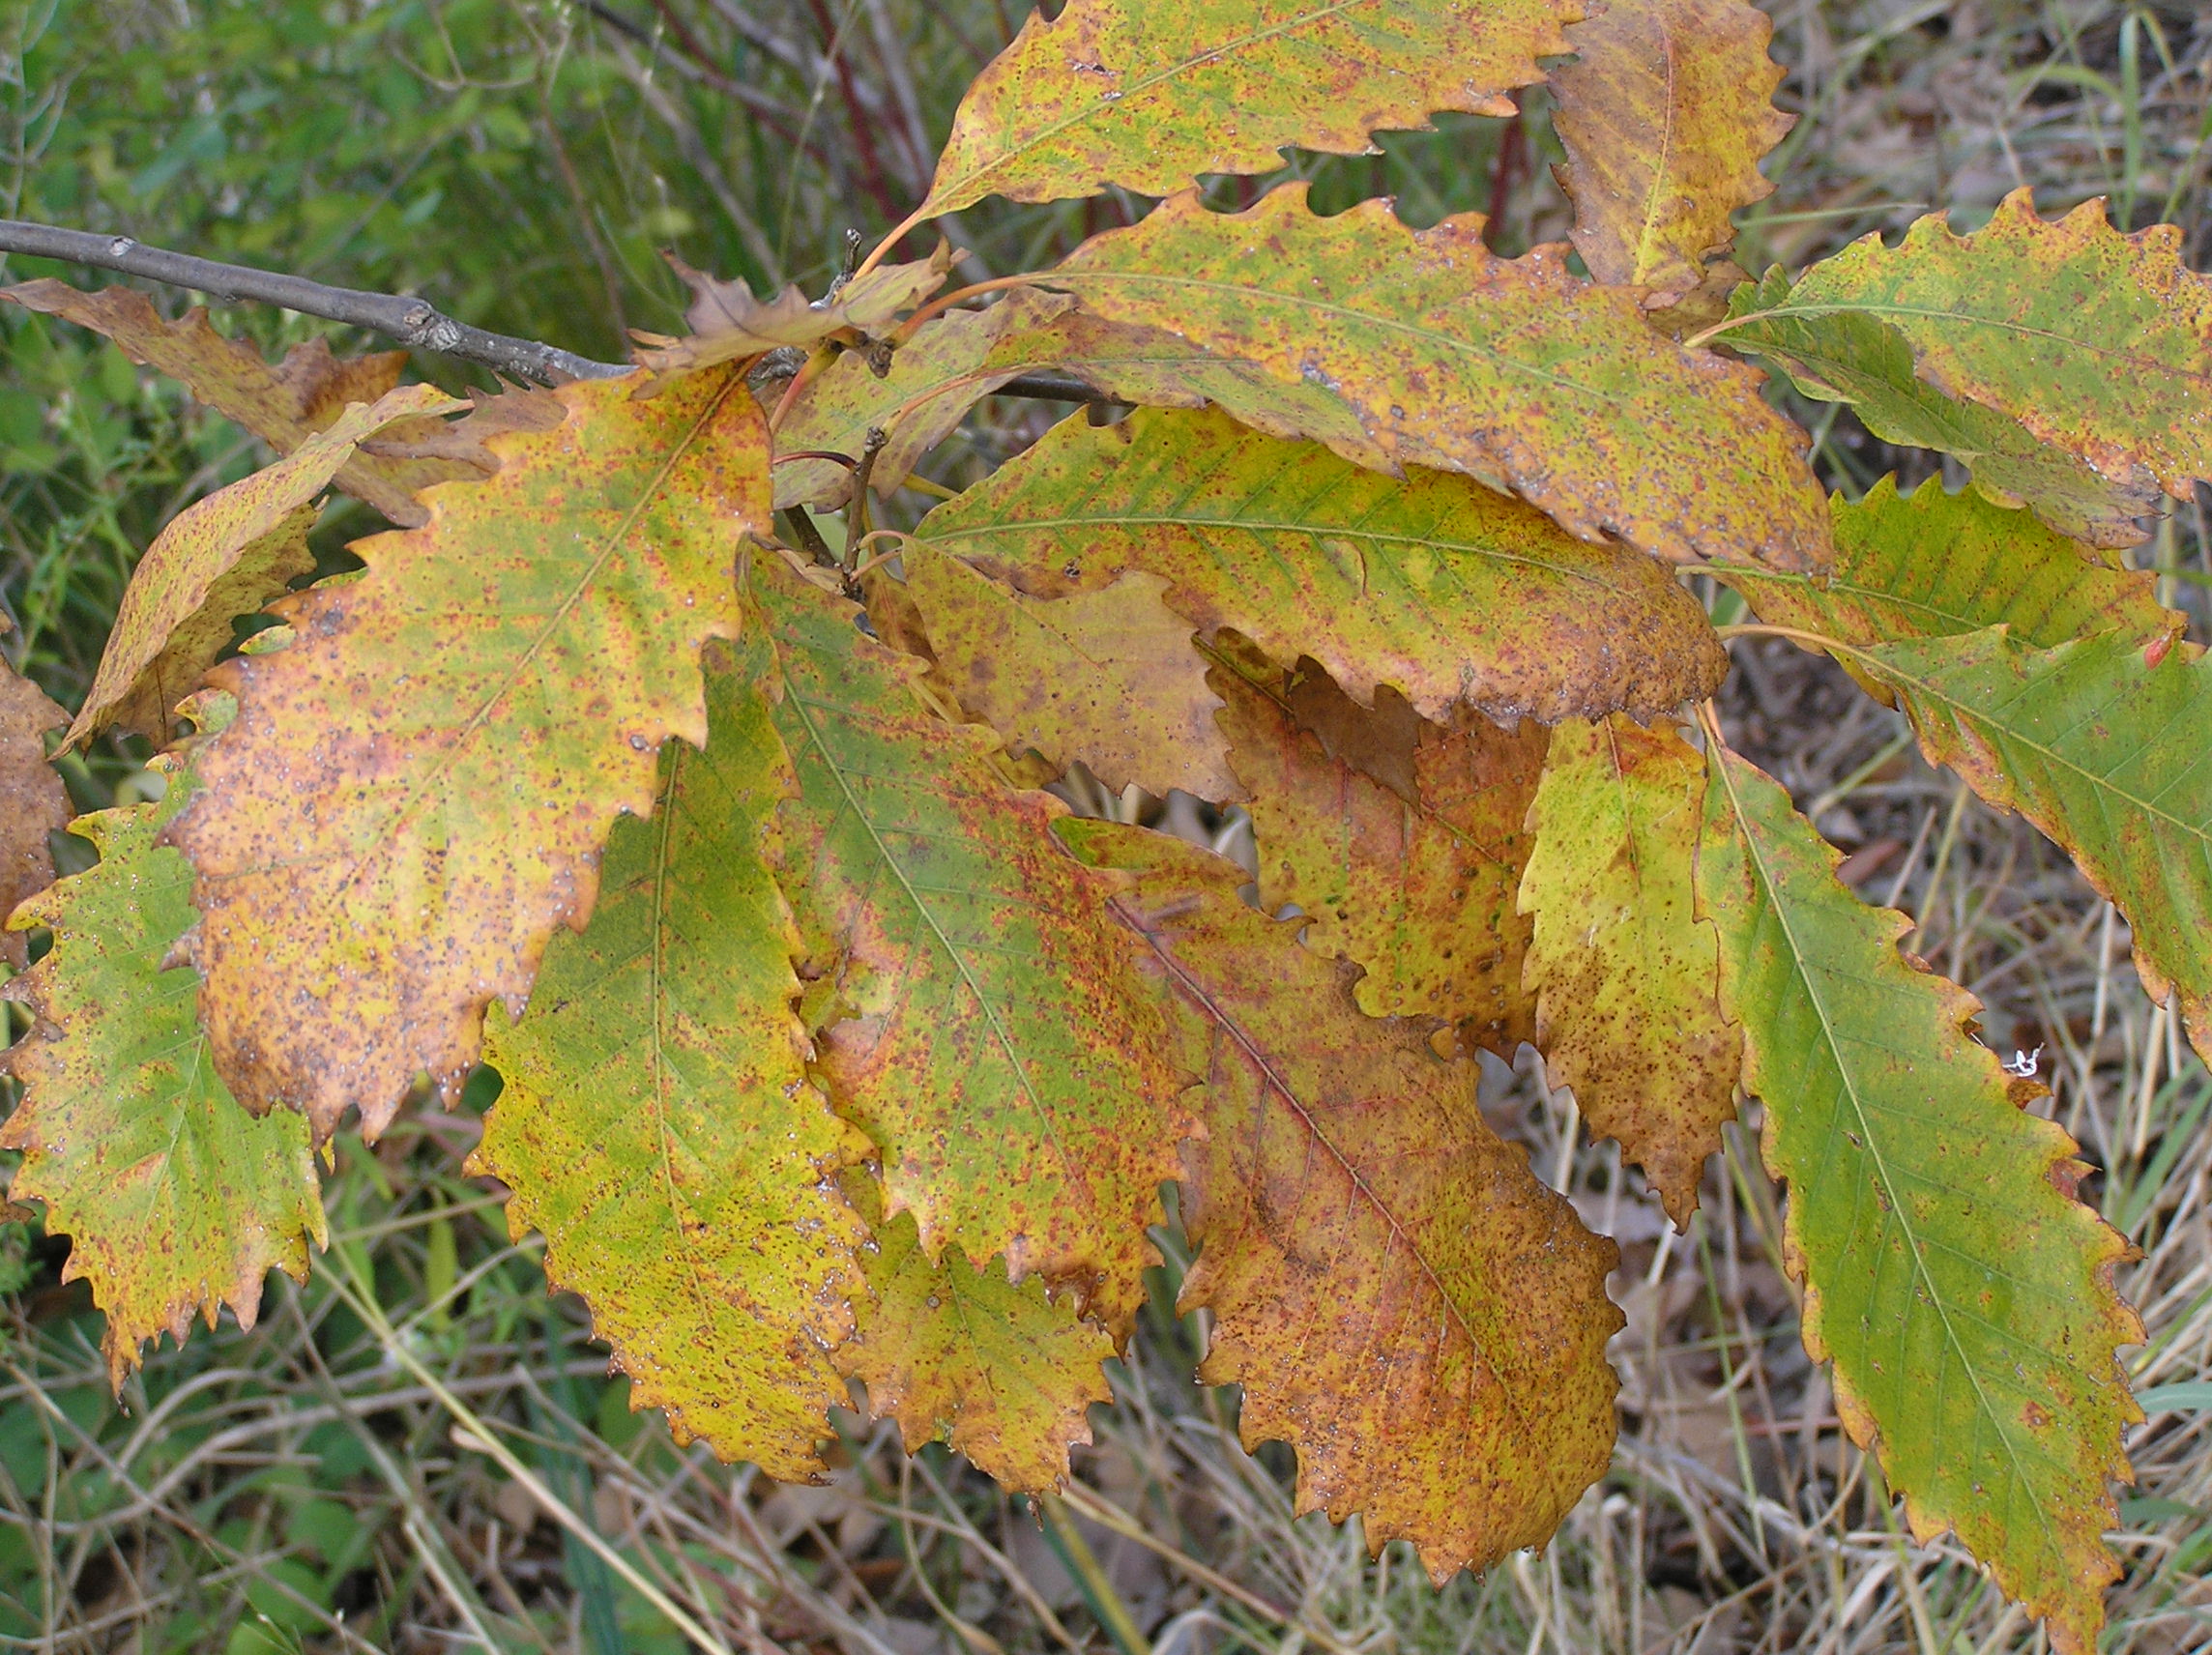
(411,322)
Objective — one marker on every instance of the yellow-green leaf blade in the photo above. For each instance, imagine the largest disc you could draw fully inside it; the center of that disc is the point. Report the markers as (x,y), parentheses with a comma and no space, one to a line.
(1627,979)
(1108,677)
(415,791)
(1513,371)
(1931,563)
(2094,347)
(1401,1299)
(1450,592)
(219,558)
(657,1125)
(1150,94)
(988,1033)
(1415,887)
(1665,113)
(177,1202)
(1964,1296)
(951,1349)
(2105,745)
(32,802)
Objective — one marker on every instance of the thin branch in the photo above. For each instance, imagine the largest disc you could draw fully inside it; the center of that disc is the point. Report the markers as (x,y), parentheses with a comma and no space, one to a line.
(412,322)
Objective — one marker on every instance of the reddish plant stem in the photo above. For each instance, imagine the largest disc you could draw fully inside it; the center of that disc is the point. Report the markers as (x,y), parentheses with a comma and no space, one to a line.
(872,177)
(1511,164)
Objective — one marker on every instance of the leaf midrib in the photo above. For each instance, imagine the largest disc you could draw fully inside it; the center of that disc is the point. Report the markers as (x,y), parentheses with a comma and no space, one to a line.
(1968,318)
(1870,1140)
(804,706)
(1016,528)
(1878,657)
(1219,1015)
(1074,277)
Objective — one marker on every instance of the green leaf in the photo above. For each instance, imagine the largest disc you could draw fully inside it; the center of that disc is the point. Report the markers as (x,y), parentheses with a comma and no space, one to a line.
(987,1030)
(2101,744)
(1106,676)
(1665,113)
(1152,94)
(33,803)
(2070,364)
(1000,1372)
(284,404)
(1453,594)
(1416,886)
(1963,1295)
(657,1125)
(1931,564)
(222,557)
(1403,1302)
(1513,371)
(176,1201)
(1627,978)
(416,790)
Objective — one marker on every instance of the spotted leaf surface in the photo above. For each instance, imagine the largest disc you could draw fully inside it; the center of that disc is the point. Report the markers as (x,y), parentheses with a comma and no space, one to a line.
(1403,1302)
(1626,976)
(1963,1295)
(2068,365)
(1933,565)
(1514,371)
(1415,887)
(176,1202)
(220,558)
(955,1352)
(1665,113)
(1150,94)
(1453,594)
(984,1025)
(657,1125)
(1108,677)
(416,790)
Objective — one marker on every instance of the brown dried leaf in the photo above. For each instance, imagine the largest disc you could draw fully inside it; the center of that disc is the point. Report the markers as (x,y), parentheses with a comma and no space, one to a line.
(33,803)
(727,322)
(282,405)
(1402,1300)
